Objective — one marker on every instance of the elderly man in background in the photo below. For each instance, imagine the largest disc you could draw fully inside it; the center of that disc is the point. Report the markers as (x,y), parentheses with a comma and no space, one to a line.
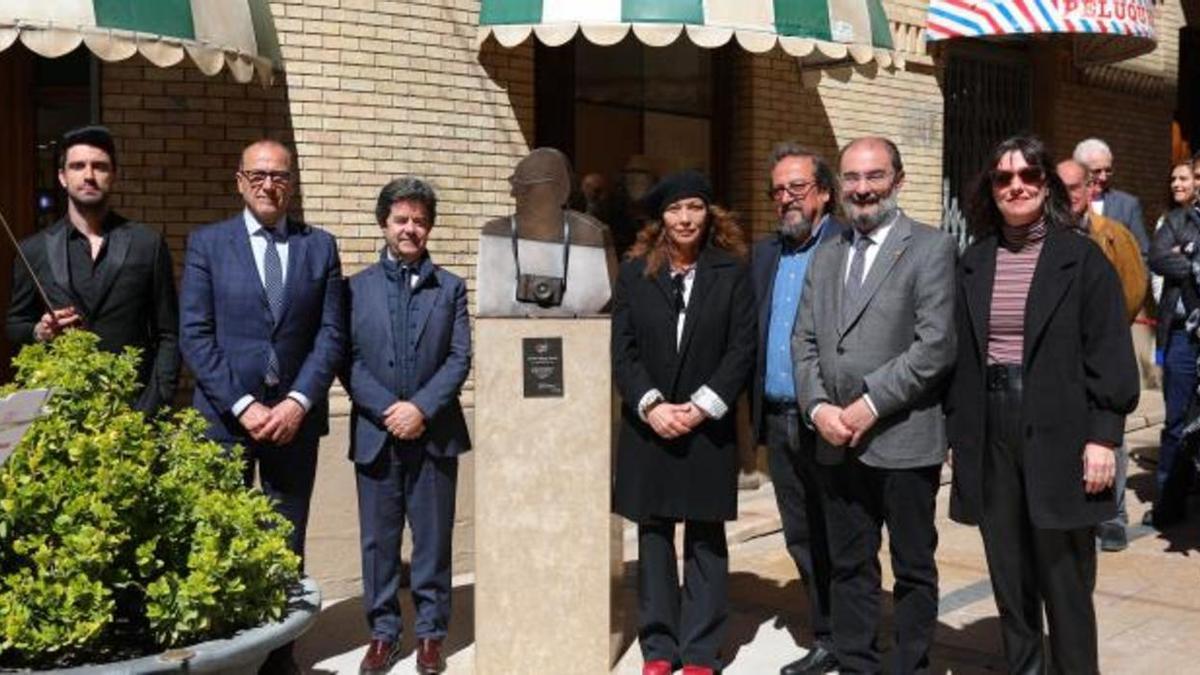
(1121,249)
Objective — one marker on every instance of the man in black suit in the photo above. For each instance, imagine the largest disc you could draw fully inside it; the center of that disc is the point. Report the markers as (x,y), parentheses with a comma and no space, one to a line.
(101,272)
(802,188)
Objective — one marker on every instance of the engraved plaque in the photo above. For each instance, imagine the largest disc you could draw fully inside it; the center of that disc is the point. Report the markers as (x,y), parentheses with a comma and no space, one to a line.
(543,367)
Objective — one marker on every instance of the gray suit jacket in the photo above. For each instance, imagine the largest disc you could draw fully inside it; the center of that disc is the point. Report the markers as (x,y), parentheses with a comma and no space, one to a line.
(896,343)
(1127,210)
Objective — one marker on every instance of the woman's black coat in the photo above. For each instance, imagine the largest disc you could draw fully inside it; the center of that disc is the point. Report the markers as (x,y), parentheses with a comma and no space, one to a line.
(693,477)
(1080,379)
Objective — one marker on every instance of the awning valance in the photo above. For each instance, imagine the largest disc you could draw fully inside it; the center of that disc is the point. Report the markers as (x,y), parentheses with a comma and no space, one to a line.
(813,30)
(215,34)
(1103,31)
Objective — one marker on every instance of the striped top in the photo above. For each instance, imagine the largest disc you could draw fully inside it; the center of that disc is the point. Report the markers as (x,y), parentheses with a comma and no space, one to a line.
(1016,260)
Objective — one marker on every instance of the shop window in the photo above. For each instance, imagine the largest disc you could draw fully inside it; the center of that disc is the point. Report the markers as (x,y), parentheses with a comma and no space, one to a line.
(987,97)
(627,114)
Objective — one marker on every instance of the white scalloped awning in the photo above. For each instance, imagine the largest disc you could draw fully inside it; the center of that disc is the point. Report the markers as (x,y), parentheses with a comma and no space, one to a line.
(214,34)
(816,31)
(1102,31)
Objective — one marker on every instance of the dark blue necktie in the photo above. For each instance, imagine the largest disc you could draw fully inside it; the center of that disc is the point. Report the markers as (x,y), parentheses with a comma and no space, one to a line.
(273,283)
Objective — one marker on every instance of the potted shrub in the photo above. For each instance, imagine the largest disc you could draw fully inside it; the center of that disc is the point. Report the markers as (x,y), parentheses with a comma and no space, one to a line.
(122,536)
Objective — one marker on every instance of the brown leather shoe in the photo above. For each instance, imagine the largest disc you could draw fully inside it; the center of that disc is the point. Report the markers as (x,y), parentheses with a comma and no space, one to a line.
(381,654)
(429,656)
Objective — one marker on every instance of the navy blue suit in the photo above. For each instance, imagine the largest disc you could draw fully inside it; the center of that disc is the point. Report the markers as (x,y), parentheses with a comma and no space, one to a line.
(407,344)
(227,330)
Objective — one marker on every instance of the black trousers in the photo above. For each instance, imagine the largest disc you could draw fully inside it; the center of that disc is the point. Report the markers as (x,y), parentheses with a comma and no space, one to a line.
(790,458)
(859,501)
(1031,567)
(682,627)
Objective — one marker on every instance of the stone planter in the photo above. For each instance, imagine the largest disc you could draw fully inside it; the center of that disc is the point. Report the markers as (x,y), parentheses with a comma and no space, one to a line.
(242,653)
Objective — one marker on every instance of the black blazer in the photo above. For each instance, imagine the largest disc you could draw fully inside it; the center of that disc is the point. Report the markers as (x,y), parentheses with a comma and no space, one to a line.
(693,477)
(1080,378)
(136,305)
(764,260)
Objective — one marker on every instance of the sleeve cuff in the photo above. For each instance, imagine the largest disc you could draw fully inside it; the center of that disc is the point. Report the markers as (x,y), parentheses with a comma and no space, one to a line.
(648,399)
(871,405)
(301,399)
(811,413)
(241,405)
(707,400)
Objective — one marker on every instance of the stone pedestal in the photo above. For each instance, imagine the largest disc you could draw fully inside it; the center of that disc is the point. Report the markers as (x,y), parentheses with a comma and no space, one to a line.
(548,551)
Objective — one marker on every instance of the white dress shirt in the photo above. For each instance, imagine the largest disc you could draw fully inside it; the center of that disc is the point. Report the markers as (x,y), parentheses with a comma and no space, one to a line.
(878,235)
(258,247)
(703,398)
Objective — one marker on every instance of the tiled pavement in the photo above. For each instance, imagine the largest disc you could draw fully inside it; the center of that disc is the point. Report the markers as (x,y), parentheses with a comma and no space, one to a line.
(1147,600)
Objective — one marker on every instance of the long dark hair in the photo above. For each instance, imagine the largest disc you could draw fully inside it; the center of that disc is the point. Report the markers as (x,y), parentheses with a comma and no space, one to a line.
(983,216)
(722,231)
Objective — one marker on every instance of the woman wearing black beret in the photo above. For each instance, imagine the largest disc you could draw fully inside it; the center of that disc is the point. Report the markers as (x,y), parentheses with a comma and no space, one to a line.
(683,345)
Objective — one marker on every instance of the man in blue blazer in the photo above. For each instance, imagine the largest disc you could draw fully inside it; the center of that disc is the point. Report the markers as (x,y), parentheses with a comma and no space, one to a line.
(261,328)
(804,191)
(410,350)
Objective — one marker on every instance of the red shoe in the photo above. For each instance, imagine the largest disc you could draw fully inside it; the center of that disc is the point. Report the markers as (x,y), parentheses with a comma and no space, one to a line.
(697,670)
(657,667)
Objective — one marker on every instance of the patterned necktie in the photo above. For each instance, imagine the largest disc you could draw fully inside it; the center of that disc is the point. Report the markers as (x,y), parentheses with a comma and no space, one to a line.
(858,263)
(273,283)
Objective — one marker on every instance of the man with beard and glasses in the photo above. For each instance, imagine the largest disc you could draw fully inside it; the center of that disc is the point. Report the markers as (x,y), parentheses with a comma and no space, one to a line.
(102,273)
(873,345)
(802,187)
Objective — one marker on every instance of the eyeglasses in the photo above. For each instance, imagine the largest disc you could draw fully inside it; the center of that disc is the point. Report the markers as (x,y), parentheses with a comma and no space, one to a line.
(258,178)
(873,178)
(1030,175)
(796,188)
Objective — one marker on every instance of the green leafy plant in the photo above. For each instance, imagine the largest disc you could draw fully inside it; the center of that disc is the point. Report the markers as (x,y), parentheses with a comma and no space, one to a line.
(121,535)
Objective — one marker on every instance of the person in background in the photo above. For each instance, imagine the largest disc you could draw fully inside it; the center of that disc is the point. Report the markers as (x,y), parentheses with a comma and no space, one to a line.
(1179,233)
(1121,249)
(1181,192)
(683,349)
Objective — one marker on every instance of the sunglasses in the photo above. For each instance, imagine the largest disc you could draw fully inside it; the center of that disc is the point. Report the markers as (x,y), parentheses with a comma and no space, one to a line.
(1030,175)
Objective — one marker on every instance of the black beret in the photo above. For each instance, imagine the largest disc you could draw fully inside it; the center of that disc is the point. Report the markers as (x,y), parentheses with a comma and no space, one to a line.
(676,186)
(95,136)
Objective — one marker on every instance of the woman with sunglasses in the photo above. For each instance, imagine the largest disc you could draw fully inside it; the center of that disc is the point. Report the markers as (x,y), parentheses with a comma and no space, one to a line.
(1044,379)
(683,340)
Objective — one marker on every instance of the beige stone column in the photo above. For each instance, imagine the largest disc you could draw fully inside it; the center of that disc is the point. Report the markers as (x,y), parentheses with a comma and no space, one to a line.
(548,551)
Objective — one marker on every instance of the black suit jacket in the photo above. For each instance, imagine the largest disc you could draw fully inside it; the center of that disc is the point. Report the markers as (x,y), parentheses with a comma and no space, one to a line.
(695,476)
(135,307)
(1080,379)
(764,260)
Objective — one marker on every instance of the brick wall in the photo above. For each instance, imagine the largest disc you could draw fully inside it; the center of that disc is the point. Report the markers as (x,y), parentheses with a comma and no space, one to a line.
(371,90)
(779,99)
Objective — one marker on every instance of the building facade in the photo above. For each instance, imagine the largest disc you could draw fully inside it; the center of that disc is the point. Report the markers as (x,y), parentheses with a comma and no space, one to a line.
(370,89)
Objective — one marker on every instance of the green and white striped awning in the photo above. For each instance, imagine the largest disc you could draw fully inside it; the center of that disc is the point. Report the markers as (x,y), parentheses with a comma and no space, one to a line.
(215,34)
(814,30)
